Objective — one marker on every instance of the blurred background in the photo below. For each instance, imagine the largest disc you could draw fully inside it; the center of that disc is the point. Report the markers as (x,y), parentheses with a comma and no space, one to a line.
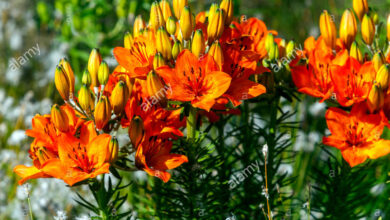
(34,35)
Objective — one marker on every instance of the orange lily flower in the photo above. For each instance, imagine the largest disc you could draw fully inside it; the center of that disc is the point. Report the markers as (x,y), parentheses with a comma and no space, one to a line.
(356,134)
(138,60)
(44,148)
(352,82)
(154,157)
(77,161)
(240,66)
(314,79)
(195,80)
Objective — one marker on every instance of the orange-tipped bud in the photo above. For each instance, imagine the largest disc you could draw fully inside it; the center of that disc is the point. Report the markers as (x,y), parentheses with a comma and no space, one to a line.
(103,73)
(158,61)
(198,43)
(59,118)
(348,28)
(156,16)
(216,26)
(136,131)
(368,30)
(62,83)
(166,9)
(139,25)
(360,7)
(355,52)
(112,150)
(178,6)
(163,43)
(328,29)
(227,7)
(155,87)
(128,40)
(43,154)
(378,60)
(119,96)
(375,100)
(102,112)
(186,21)
(216,52)
(69,72)
(86,78)
(177,48)
(86,99)
(383,77)
(388,28)
(93,66)
(282,48)
(269,41)
(171,25)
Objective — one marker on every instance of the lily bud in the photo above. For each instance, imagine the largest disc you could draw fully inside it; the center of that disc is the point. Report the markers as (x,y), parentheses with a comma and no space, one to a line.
(62,83)
(186,21)
(273,53)
(163,43)
(375,17)
(355,52)
(216,52)
(388,28)
(155,86)
(216,26)
(166,9)
(156,16)
(375,100)
(102,112)
(383,77)
(119,96)
(69,72)
(328,29)
(177,48)
(93,66)
(139,25)
(198,43)
(112,151)
(128,40)
(86,99)
(86,78)
(59,118)
(282,48)
(378,60)
(212,11)
(178,6)
(348,28)
(269,41)
(171,25)
(136,131)
(360,7)
(103,73)
(290,48)
(158,61)
(227,7)
(368,30)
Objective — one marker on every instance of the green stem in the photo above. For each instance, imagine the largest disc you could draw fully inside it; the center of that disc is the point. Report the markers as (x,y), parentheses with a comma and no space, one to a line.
(29,207)
(191,124)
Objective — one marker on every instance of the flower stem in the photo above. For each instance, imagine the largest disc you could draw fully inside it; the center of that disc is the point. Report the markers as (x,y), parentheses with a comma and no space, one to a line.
(29,207)
(191,124)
